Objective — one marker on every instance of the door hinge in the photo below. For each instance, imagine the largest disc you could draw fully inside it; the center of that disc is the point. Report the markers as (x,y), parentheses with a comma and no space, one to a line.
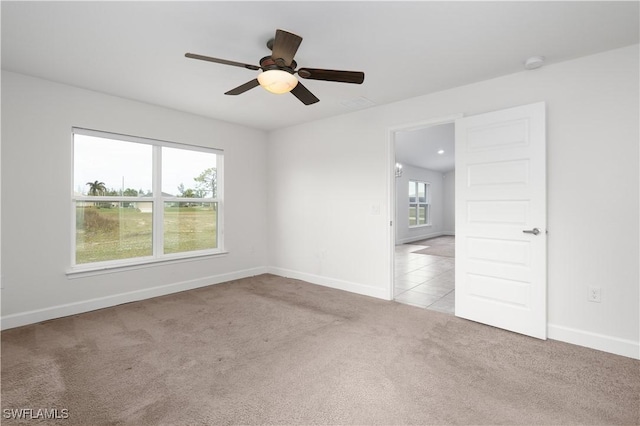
(390,223)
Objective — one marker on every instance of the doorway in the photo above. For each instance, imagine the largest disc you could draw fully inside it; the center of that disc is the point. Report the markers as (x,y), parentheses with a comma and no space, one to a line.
(424,214)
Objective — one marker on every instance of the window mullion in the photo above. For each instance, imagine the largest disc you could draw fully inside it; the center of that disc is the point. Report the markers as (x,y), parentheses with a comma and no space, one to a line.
(158,205)
(219,195)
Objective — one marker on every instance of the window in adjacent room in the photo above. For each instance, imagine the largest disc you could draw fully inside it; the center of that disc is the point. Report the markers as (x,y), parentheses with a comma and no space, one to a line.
(138,200)
(419,204)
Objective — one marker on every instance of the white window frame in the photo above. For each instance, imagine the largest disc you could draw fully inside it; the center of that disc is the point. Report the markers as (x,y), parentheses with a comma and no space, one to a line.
(158,201)
(426,203)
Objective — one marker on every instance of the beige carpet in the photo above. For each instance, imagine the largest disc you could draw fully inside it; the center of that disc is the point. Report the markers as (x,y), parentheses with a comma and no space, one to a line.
(269,350)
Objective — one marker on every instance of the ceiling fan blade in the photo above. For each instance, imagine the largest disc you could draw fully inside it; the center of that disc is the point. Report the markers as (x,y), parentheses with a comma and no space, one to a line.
(305,96)
(356,77)
(285,46)
(221,61)
(244,87)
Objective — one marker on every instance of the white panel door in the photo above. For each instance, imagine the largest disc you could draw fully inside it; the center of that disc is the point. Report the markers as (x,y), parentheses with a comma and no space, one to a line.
(501,221)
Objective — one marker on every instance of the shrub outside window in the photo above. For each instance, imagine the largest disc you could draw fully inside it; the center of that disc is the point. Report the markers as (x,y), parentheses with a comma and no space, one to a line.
(419,204)
(138,200)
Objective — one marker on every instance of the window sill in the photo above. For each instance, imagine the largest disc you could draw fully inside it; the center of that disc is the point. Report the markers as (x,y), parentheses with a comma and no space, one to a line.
(89,271)
(420,226)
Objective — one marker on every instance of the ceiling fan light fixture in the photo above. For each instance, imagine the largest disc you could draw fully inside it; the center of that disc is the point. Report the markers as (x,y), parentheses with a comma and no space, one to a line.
(277,81)
(279,70)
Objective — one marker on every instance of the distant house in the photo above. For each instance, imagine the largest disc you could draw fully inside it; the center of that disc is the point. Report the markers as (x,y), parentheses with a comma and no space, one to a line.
(147,206)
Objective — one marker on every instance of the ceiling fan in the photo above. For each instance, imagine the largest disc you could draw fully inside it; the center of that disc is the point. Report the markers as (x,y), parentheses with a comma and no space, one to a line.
(279,69)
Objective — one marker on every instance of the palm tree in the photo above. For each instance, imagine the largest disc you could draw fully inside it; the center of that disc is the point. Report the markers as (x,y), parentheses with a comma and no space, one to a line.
(96,188)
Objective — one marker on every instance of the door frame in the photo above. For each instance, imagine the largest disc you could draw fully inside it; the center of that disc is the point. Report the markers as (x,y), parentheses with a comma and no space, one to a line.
(391,183)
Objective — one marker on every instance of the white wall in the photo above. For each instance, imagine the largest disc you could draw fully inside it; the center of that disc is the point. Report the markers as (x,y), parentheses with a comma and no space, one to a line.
(449,203)
(37,117)
(327,204)
(328,178)
(405,234)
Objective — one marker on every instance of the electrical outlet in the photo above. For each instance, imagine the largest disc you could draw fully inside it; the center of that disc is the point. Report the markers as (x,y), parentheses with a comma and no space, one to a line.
(594,295)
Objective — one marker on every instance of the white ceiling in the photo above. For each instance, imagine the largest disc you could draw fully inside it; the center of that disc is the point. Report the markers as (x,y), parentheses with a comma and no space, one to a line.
(420,148)
(136,50)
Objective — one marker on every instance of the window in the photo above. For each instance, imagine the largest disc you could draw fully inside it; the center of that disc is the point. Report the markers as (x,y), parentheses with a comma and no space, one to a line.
(139,200)
(419,204)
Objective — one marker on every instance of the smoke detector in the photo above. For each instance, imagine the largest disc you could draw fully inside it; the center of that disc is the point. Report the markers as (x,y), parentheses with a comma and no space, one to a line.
(534,62)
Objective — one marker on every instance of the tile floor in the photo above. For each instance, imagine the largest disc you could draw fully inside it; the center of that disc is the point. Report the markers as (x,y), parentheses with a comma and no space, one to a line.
(424,280)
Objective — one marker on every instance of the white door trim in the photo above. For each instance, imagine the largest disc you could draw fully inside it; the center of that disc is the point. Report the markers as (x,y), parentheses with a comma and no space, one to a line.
(391,183)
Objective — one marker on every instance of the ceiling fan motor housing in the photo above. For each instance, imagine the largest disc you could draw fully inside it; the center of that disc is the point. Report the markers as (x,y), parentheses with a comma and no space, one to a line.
(268,63)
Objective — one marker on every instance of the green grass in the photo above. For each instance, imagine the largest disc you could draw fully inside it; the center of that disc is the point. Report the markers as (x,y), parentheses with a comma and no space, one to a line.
(189,229)
(123,233)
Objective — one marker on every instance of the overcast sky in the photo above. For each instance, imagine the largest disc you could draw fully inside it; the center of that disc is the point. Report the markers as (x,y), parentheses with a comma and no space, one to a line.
(112,162)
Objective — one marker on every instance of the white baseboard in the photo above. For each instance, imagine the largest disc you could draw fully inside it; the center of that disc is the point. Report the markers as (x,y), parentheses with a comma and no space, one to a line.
(627,348)
(32,317)
(379,293)
(418,238)
(600,342)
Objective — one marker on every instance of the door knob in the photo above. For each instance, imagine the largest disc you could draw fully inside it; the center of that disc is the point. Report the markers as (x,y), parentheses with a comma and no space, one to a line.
(534,231)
